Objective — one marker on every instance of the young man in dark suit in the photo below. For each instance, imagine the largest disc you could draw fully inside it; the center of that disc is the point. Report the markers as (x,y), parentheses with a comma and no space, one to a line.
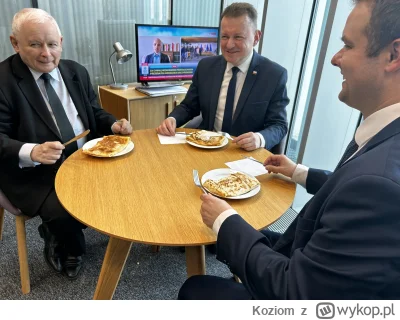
(254,109)
(44,101)
(344,244)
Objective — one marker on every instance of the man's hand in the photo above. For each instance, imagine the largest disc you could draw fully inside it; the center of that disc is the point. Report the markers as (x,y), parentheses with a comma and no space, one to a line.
(47,153)
(280,164)
(211,208)
(122,127)
(248,141)
(167,127)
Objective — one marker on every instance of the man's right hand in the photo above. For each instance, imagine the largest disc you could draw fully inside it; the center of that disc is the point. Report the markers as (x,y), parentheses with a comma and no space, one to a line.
(47,153)
(167,127)
(280,164)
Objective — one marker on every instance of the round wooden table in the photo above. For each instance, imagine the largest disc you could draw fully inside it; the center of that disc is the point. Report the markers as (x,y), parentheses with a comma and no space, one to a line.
(148,196)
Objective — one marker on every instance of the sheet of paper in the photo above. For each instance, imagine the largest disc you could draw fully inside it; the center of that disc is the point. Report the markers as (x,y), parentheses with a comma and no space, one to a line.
(248,166)
(178,138)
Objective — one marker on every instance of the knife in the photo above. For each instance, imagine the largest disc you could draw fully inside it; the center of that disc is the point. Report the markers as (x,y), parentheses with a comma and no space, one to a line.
(83,134)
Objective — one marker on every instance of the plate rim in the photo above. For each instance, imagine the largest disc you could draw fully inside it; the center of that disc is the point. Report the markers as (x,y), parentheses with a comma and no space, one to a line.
(121,153)
(243,196)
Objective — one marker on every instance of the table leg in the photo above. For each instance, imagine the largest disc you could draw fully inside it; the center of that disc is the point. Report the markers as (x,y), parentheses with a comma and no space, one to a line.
(195,260)
(113,264)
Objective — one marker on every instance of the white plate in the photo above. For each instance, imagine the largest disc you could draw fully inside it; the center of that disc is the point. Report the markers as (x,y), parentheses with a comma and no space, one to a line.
(221,173)
(214,134)
(91,143)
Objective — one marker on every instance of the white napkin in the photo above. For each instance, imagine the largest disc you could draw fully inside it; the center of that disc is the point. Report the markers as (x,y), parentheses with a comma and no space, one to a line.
(248,166)
(178,138)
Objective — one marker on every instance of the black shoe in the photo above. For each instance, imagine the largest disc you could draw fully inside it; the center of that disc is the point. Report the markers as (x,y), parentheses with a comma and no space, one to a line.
(52,250)
(212,248)
(72,266)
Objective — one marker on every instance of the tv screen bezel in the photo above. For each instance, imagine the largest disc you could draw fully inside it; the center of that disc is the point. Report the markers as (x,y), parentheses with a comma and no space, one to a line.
(137,25)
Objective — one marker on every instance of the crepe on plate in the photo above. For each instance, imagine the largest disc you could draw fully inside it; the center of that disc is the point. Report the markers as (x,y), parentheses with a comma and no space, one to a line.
(205,138)
(109,146)
(232,185)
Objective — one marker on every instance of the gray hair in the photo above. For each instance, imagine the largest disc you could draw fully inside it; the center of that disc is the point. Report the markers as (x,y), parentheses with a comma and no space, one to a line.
(31,14)
(239,9)
(383,26)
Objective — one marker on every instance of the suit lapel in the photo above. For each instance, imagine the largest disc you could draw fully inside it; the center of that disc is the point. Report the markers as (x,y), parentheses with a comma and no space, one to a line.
(389,131)
(217,77)
(32,93)
(75,91)
(251,78)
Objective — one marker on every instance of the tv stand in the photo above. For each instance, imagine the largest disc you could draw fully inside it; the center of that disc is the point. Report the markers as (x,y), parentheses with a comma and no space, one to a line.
(145,84)
(142,111)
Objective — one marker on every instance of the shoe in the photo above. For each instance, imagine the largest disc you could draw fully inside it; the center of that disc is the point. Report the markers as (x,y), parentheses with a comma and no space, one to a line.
(212,248)
(52,250)
(72,266)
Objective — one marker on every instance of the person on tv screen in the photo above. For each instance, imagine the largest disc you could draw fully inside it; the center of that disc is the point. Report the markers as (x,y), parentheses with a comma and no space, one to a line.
(44,102)
(240,92)
(344,243)
(157,56)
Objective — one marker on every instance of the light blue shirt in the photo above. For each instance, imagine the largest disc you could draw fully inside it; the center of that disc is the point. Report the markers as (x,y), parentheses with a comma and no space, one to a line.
(156,57)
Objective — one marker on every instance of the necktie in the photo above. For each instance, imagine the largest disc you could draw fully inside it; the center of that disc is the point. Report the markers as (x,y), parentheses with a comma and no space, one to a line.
(230,98)
(63,123)
(351,148)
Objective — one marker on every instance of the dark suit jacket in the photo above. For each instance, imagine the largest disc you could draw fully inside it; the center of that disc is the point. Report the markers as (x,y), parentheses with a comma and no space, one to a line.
(24,118)
(261,105)
(344,244)
(163,58)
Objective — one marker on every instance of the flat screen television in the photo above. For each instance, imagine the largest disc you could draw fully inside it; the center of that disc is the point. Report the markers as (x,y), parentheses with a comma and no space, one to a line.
(180,48)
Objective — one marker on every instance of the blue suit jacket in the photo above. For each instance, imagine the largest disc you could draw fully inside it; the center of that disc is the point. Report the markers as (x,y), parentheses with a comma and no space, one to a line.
(261,105)
(344,244)
(163,58)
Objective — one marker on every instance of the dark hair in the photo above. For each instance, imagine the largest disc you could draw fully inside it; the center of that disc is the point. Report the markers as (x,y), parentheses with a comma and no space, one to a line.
(383,26)
(239,9)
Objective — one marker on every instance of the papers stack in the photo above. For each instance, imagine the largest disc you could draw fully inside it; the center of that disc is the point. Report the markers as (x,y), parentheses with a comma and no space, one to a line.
(161,91)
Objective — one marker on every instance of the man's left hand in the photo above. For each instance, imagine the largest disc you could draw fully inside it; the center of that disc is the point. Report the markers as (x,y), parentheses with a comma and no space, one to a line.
(122,127)
(248,141)
(211,208)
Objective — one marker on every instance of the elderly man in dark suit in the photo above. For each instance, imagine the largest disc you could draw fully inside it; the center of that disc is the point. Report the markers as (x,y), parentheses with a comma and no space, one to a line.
(344,244)
(240,92)
(157,56)
(45,101)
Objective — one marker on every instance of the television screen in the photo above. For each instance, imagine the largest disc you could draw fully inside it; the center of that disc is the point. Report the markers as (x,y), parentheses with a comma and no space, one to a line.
(171,53)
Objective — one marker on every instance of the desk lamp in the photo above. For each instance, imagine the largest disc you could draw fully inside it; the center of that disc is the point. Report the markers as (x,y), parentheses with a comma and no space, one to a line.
(122,56)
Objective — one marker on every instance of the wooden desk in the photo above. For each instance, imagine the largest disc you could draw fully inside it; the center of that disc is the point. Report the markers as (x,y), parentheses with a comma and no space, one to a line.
(148,196)
(142,111)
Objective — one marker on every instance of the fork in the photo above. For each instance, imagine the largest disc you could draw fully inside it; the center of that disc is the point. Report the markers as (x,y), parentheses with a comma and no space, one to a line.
(197,181)
(226,134)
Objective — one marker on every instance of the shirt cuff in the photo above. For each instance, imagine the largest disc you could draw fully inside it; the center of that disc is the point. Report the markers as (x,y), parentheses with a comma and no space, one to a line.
(25,156)
(221,218)
(300,175)
(262,140)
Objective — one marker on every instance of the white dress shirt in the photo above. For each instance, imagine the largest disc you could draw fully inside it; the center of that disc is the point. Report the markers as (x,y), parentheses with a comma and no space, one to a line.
(365,132)
(60,88)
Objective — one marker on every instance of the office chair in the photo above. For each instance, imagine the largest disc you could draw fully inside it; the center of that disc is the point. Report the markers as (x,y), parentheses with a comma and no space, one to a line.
(21,239)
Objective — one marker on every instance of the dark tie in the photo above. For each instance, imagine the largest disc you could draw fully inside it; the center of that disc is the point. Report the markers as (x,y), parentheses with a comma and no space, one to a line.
(63,123)
(230,98)
(350,150)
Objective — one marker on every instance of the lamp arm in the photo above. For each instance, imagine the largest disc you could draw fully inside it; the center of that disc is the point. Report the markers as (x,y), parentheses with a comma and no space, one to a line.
(112,71)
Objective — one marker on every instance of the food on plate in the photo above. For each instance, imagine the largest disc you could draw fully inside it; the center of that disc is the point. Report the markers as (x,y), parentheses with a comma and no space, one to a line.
(108,146)
(232,185)
(205,138)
